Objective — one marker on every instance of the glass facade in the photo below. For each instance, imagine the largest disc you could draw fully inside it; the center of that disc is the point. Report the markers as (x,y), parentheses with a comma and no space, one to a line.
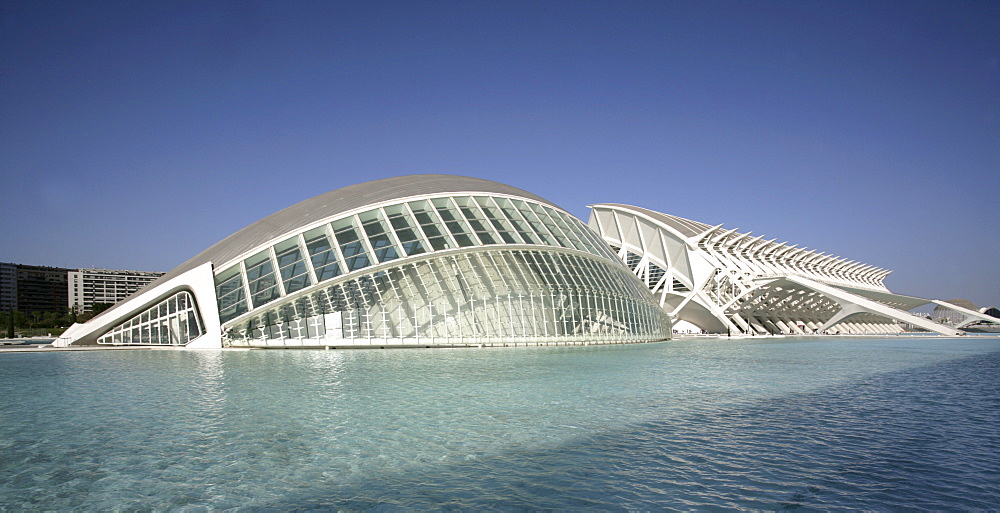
(492,296)
(313,288)
(171,322)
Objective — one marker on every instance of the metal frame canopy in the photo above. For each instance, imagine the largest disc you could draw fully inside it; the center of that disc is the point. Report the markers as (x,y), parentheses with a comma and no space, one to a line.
(418,260)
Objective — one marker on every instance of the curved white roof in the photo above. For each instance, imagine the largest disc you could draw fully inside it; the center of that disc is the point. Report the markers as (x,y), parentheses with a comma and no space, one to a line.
(339,201)
(685,227)
(330,204)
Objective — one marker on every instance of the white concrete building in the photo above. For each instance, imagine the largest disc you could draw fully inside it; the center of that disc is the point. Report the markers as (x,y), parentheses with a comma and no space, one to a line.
(90,286)
(413,261)
(724,281)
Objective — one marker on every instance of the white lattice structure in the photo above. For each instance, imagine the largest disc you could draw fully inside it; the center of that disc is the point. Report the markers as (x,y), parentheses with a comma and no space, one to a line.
(724,281)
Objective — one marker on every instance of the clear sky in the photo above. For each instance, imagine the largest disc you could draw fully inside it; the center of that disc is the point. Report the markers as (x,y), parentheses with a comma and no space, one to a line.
(135,134)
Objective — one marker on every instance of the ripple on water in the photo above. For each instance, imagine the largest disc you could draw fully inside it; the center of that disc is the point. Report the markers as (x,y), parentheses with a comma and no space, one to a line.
(837,424)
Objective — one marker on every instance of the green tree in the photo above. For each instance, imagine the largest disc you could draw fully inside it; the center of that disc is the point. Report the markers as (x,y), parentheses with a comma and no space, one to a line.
(100,307)
(10,324)
(50,319)
(20,319)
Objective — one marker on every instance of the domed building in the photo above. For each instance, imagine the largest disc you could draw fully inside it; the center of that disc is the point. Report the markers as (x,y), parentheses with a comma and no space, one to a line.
(412,261)
(945,315)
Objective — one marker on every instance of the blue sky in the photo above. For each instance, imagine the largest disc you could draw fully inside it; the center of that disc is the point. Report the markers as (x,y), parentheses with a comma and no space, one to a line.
(135,134)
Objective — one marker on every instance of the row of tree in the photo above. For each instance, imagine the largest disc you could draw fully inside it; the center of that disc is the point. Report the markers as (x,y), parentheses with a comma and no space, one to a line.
(14,320)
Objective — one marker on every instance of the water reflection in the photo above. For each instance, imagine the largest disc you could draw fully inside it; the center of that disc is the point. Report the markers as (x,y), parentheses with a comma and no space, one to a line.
(687,424)
(209,390)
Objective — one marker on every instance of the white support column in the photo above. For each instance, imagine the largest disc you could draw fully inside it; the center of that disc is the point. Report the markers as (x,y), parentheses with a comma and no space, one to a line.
(852,304)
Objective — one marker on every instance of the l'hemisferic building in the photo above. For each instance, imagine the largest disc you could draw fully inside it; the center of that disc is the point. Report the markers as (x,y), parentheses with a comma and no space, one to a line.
(441,260)
(427,260)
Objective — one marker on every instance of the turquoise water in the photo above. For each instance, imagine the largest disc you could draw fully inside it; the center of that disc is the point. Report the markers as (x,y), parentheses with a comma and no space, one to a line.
(910,423)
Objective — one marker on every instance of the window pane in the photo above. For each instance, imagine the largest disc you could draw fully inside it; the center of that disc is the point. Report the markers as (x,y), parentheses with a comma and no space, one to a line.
(230,294)
(355,254)
(261,280)
(406,235)
(378,236)
(439,243)
(383,247)
(431,231)
(292,267)
(413,247)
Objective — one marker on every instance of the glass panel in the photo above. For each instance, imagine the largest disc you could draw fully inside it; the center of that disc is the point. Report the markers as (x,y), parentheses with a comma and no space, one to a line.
(260,278)
(491,210)
(406,235)
(455,223)
(535,223)
(414,247)
(230,293)
(394,210)
(351,246)
(517,221)
(560,222)
(369,216)
(497,293)
(477,220)
(550,225)
(509,238)
(258,265)
(439,243)
(424,217)
(464,240)
(580,234)
(398,222)
(322,254)
(430,224)
(383,247)
(292,265)
(287,252)
(157,325)
(440,203)
(500,223)
(431,231)
(378,236)
(347,235)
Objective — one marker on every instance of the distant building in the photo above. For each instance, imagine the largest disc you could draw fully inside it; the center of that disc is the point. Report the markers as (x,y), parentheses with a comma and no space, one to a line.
(946,315)
(38,289)
(87,287)
(992,311)
(8,287)
(32,288)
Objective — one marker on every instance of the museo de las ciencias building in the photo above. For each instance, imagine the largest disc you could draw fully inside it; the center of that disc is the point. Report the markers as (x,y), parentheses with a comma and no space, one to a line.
(724,281)
(443,260)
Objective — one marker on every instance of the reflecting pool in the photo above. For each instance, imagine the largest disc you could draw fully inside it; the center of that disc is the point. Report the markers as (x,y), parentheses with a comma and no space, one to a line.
(777,423)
